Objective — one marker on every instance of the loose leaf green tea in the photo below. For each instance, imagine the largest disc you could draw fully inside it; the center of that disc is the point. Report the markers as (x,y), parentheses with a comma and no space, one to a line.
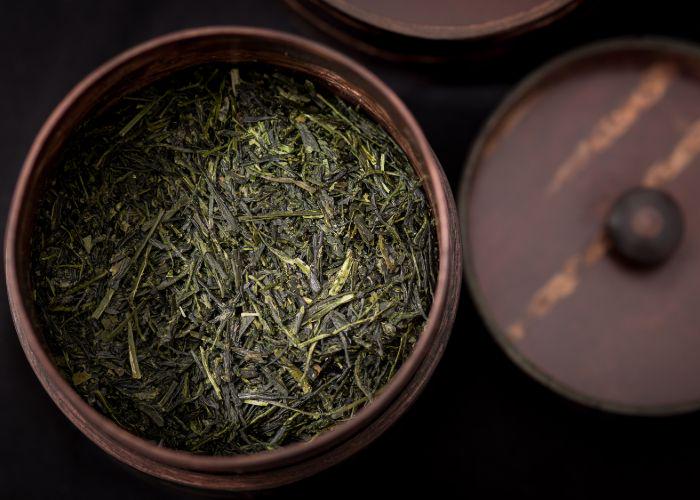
(230,260)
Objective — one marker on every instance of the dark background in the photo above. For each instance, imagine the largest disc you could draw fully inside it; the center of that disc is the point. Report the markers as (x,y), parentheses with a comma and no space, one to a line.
(482,427)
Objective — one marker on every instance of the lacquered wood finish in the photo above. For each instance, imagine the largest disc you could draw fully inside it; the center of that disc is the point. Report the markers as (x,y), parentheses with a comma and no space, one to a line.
(419,30)
(140,66)
(534,202)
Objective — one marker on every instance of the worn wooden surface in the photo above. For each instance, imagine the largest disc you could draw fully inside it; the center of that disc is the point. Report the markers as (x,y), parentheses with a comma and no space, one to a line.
(417,30)
(549,168)
(448,19)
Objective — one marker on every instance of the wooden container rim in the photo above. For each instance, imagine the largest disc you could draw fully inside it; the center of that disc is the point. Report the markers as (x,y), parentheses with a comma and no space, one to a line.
(522,89)
(95,425)
(541,14)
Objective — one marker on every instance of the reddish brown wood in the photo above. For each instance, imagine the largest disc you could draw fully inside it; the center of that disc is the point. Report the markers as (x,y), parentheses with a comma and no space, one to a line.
(146,63)
(427,30)
(448,19)
(537,191)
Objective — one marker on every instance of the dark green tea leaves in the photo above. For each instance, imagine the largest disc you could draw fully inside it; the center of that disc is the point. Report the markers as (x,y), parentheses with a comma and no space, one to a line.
(230,260)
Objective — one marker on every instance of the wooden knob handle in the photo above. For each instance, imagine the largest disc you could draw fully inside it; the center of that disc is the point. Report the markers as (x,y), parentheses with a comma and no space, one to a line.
(645,226)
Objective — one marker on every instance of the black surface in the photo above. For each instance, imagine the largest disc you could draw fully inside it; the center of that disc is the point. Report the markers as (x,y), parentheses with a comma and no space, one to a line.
(481,427)
(645,227)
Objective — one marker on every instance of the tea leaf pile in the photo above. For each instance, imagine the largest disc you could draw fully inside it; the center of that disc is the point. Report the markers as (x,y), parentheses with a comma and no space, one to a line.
(230,260)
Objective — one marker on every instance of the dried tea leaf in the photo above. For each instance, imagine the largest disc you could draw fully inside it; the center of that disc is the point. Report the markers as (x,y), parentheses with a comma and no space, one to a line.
(230,260)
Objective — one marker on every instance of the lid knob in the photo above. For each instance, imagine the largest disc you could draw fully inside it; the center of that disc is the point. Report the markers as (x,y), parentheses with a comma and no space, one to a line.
(645,226)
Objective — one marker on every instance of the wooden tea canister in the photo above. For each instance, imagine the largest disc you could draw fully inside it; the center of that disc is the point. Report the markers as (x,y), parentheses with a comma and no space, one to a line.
(420,30)
(580,210)
(151,61)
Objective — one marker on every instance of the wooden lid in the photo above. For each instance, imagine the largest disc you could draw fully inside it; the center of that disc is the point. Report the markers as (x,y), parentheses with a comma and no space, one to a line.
(580,207)
(419,28)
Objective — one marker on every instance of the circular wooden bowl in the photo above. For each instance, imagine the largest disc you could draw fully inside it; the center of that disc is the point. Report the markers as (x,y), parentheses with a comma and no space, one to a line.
(140,66)
(421,30)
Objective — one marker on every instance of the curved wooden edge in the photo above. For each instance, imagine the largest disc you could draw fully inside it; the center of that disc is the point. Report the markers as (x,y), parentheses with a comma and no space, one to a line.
(369,421)
(546,10)
(495,121)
